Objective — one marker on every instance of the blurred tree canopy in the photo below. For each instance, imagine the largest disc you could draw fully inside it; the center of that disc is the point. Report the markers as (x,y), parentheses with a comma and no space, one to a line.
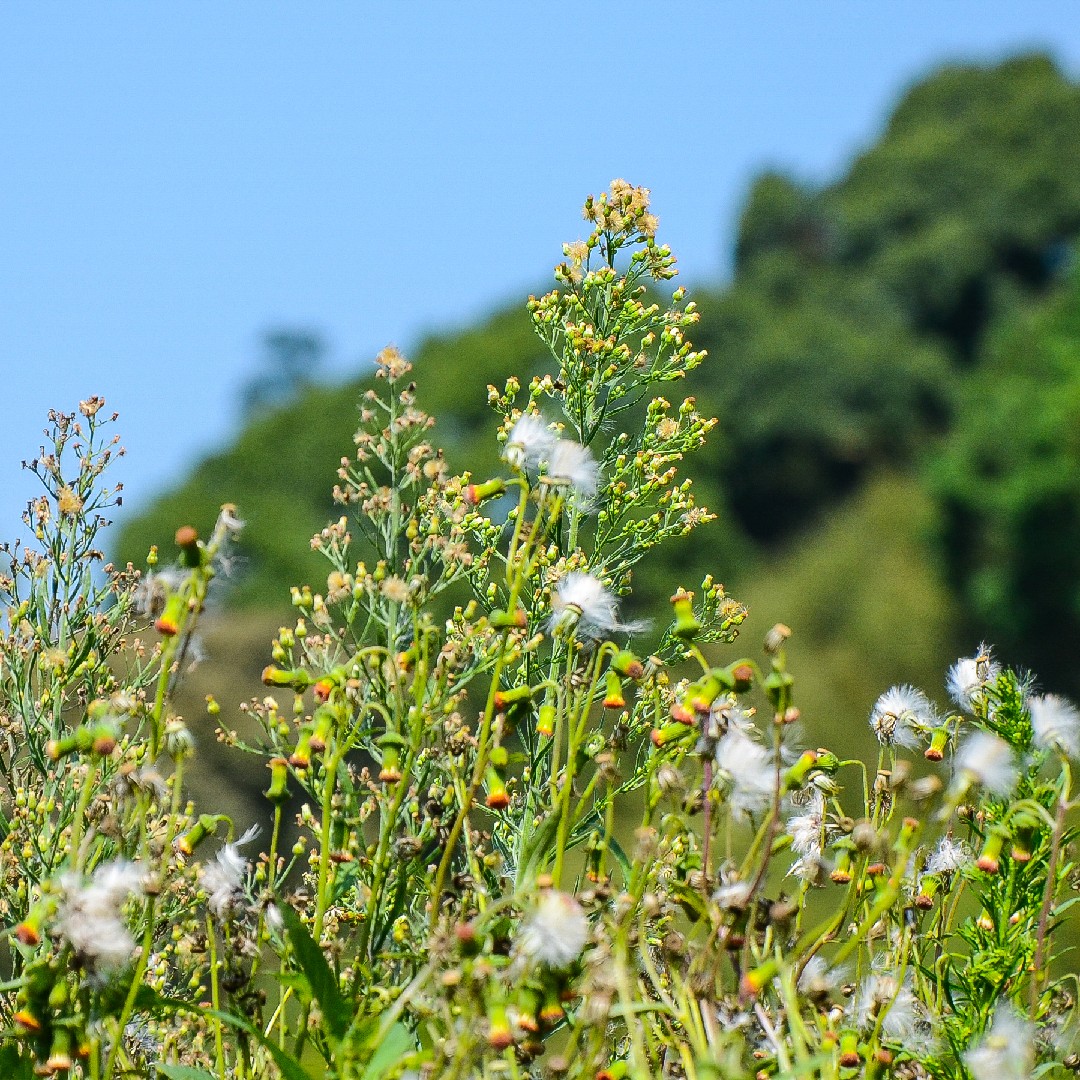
(854,307)
(291,363)
(1008,483)
(915,302)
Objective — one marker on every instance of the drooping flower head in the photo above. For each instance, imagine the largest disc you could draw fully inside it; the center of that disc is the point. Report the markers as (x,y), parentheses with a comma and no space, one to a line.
(583,605)
(969,676)
(1055,723)
(901,715)
(555,932)
(90,917)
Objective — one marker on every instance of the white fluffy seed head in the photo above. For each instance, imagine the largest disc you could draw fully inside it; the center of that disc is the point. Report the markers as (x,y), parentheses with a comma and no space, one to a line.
(90,917)
(555,932)
(745,772)
(582,604)
(223,879)
(807,830)
(901,715)
(572,464)
(1006,1051)
(988,761)
(529,443)
(948,857)
(1055,724)
(969,676)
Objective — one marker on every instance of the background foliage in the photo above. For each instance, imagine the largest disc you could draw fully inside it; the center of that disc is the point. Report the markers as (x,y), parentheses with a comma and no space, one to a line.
(893,365)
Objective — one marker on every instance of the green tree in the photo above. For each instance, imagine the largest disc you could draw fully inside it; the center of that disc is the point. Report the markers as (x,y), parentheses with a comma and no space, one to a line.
(1008,484)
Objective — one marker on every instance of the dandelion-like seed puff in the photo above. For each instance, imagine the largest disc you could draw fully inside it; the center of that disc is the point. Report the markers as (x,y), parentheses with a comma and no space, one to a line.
(988,761)
(1055,724)
(223,879)
(530,442)
(555,931)
(901,715)
(90,917)
(968,677)
(583,605)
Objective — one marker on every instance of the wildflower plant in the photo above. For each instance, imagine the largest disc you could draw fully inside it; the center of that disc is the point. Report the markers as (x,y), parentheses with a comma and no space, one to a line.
(512,829)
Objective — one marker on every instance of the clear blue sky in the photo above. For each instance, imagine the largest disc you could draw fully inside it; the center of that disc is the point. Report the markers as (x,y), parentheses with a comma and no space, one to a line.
(175,179)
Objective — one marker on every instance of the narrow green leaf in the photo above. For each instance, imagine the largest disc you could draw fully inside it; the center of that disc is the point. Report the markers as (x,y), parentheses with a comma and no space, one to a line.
(620,856)
(397,1042)
(184,1072)
(323,982)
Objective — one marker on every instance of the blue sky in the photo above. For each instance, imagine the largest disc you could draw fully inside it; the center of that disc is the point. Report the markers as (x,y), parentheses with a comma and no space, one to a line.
(177,179)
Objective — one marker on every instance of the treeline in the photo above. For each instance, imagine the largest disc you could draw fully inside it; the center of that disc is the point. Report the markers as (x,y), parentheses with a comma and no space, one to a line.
(918,318)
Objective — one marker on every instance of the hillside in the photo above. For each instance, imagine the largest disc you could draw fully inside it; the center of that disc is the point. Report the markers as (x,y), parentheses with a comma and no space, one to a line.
(859,316)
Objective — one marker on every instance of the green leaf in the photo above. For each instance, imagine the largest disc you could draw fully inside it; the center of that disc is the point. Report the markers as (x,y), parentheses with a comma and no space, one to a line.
(620,856)
(150,1000)
(184,1072)
(14,1065)
(397,1042)
(335,1009)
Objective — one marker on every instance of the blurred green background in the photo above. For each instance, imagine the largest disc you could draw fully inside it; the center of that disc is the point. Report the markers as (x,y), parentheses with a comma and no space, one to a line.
(895,366)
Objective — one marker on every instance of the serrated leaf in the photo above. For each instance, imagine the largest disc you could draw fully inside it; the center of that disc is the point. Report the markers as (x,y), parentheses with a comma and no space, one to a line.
(324,986)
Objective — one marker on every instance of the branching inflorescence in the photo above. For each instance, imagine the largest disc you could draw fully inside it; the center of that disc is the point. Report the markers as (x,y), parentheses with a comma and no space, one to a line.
(512,829)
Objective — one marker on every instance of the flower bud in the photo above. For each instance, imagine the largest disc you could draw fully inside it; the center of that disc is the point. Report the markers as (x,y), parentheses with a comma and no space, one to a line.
(989,860)
(850,1057)
(322,726)
(754,981)
(841,873)
(179,741)
(613,696)
(187,540)
(509,620)
(60,1059)
(204,827)
(278,791)
(171,618)
(475,494)
(628,665)
(796,776)
(938,741)
(545,721)
(928,888)
(775,638)
(499,1034)
(498,798)
(26,1022)
(669,733)
(687,624)
(528,1009)
(391,744)
(296,679)
(551,1011)
(615,1070)
(300,758)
